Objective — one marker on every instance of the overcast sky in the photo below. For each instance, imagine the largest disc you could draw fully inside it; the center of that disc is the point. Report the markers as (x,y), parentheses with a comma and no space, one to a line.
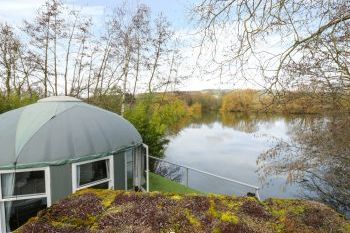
(177,12)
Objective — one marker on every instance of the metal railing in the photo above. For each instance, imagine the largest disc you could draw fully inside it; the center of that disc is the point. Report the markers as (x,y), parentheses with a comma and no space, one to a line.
(187,169)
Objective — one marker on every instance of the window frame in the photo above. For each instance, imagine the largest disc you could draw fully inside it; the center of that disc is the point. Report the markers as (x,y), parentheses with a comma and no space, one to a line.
(46,195)
(76,187)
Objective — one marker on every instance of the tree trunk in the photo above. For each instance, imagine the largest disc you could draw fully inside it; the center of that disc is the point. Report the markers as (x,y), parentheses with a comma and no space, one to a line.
(126,67)
(67,58)
(46,59)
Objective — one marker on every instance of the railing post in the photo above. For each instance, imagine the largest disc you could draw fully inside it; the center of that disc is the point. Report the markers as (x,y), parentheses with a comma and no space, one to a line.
(186,176)
(147,167)
(257,194)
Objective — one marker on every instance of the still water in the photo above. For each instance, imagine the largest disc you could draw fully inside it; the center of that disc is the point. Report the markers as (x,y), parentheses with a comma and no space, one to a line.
(275,152)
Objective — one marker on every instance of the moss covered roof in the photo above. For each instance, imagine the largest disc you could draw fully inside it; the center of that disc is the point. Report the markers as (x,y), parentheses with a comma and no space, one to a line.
(119,211)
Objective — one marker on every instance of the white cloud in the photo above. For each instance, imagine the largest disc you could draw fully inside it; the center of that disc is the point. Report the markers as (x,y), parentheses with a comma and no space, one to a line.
(205,72)
(14,11)
(92,11)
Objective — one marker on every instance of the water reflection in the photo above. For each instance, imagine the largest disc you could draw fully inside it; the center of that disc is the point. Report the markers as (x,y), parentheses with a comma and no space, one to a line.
(288,156)
(317,156)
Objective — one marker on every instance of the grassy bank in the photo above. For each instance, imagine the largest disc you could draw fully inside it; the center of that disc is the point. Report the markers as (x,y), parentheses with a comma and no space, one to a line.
(119,211)
(161,184)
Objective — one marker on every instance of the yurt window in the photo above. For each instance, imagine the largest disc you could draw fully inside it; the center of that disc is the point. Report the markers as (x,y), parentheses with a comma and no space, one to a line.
(93,174)
(23,193)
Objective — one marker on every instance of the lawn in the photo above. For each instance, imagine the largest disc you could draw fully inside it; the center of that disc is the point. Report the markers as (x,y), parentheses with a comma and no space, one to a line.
(161,184)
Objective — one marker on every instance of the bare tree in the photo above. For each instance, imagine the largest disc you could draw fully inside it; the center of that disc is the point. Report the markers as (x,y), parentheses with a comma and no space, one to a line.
(57,27)
(141,22)
(308,41)
(64,55)
(134,42)
(9,48)
(81,58)
(159,42)
(43,32)
(28,69)
(69,35)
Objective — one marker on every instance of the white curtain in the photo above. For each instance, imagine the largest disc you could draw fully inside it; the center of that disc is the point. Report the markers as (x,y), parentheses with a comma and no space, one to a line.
(138,167)
(143,166)
(8,187)
(128,155)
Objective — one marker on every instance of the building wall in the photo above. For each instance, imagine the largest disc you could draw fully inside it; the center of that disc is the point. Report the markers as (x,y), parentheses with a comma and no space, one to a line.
(119,171)
(61,182)
(61,178)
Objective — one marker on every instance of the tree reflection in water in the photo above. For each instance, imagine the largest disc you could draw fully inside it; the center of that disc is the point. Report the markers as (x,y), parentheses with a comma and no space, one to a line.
(317,155)
(247,122)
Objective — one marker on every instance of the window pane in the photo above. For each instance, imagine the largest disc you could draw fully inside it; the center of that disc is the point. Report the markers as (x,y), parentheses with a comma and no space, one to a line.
(91,172)
(19,212)
(101,186)
(22,183)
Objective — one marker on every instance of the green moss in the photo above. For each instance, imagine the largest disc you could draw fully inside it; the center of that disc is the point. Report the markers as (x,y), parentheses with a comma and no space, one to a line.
(168,212)
(78,222)
(61,225)
(278,228)
(192,219)
(222,216)
(347,228)
(176,197)
(278,213)
(212,211)
(107,196)
(229,217)
(297,210)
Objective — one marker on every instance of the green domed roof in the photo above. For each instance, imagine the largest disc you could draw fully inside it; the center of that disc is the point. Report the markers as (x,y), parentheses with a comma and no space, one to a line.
(57,130)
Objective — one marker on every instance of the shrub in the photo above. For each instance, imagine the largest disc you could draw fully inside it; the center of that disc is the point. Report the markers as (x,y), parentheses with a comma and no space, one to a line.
(14,101)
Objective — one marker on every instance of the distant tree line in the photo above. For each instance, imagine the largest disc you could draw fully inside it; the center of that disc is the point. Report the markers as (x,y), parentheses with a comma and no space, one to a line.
(299,102)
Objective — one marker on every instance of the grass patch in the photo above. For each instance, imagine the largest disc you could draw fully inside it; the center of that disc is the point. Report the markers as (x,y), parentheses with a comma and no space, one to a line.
(161,184)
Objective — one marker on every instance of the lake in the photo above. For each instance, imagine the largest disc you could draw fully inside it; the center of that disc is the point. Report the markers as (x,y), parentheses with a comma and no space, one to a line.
(286,156)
